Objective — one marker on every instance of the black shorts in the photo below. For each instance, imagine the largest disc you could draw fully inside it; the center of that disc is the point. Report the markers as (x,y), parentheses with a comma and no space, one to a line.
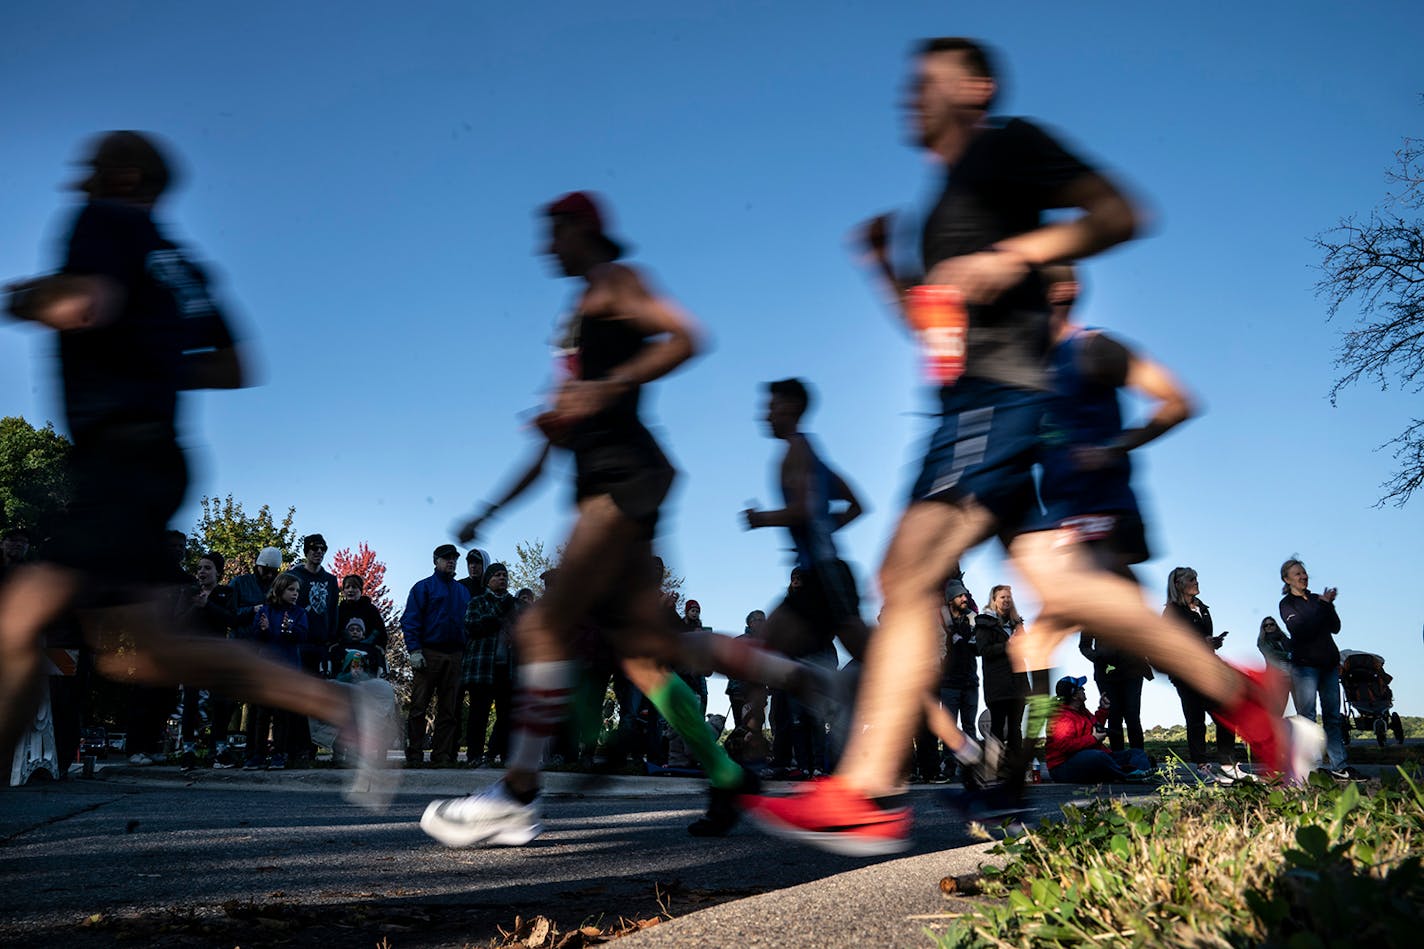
(1114,537)
(984,450)
(826,600)
(128,483)
(631,469)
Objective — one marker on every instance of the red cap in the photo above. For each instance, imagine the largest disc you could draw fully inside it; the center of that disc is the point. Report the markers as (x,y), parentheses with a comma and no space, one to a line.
(578,204)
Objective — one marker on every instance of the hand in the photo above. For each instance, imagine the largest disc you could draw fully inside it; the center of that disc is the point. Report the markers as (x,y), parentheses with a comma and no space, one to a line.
(1216,641)
(262,623)
(417,660)
(981,277)
(1329,595)
(872,237)
(200,599)
(579,399)
(753,519)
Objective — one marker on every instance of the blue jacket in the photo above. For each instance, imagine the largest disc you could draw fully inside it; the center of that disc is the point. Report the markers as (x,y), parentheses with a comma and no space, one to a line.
(435,614)
(286,631)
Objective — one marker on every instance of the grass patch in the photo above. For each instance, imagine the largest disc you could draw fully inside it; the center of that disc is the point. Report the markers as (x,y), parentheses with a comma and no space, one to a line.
(1249,865)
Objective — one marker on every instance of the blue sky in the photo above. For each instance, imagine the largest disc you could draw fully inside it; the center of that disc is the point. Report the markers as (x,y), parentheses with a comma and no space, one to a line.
(363,179)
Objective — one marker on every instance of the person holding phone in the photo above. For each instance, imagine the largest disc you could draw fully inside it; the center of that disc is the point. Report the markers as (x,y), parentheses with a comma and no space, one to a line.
(1184,604)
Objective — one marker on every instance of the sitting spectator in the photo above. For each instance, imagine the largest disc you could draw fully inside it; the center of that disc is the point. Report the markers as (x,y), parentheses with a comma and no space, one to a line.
(1075,755)
(354,639)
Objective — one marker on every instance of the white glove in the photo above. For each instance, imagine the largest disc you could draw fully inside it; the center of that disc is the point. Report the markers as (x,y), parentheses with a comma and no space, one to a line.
(417,660)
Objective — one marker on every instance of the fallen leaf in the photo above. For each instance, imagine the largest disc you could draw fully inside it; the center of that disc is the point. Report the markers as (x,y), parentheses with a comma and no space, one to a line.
(538,933)
(949,886)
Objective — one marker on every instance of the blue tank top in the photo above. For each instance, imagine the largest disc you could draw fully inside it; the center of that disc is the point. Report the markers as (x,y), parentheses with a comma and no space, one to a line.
(1083,411)
(813,539)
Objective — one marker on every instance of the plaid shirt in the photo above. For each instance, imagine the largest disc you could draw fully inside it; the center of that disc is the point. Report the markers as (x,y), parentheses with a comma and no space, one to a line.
(489,620)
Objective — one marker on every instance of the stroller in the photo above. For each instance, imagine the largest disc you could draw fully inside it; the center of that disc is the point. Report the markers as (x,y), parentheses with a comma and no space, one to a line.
(1368,697)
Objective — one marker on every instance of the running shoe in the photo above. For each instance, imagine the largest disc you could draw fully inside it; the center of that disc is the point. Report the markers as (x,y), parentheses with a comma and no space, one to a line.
(723,810)
(986,805)
(139,759)
(373,783)
(833,816)
(224,759)
(188,761)
(491,817)
(1234,773)
(253,764)
(1344,774)
(1289,747)
(277,763)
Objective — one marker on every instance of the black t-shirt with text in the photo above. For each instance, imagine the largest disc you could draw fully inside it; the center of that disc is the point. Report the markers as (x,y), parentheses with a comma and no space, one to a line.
(129,370)
(1009,175)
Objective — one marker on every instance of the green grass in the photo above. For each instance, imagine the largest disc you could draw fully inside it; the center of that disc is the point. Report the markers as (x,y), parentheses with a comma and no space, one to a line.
(1301,868)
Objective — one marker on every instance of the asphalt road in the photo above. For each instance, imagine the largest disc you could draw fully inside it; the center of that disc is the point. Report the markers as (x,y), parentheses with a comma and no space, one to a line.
(234,859)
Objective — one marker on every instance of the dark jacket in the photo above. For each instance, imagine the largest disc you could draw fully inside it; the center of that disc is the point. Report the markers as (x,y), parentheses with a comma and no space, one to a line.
(1312,623)
(1109,661)
(216,617)
(366,611)
(320,593)
(992,640)
(960,669)
(248,594)
(1199,622)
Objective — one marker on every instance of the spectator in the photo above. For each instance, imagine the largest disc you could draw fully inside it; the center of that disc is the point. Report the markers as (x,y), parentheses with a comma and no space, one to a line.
(434,628)
(678,752)
(1074,754)
(210,611)
(488,666)
(14,548)
(1004,689)
(355,604)
(1275,648)
(149,707)
(250,589)
(1119,676)
(525,596)
(319,597)
(355,656)
(280,626)
(475,563)
(747,744)
(1185,606)
(959,674)
(1313,624)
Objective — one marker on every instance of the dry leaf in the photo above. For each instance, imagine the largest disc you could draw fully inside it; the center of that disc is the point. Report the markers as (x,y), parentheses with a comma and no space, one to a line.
(949,886)
(538,933)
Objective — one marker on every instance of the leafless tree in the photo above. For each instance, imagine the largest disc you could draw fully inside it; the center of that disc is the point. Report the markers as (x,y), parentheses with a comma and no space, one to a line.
(1374,267)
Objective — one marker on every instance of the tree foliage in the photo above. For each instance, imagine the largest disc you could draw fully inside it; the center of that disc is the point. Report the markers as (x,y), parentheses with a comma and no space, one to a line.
(35,487)
(225,527)
(1374,266)
(531,561)
(372,572)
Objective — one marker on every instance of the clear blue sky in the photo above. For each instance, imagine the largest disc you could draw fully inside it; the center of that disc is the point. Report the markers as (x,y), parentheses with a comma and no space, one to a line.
(363,179)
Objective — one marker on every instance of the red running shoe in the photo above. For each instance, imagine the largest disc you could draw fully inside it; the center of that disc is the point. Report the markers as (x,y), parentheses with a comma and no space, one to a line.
(832,816)
(1288,747)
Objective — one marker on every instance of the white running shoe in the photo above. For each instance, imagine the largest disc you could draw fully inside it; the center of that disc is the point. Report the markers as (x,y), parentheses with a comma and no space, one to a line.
(373,784)
(1235,773)
(488,818)
(1306,743)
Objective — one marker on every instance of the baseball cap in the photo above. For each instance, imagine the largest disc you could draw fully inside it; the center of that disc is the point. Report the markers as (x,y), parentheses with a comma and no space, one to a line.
(584,206)
(269,557)
(1070,684)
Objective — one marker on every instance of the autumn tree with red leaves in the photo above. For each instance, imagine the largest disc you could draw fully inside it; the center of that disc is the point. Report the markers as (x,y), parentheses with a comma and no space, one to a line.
(364,564)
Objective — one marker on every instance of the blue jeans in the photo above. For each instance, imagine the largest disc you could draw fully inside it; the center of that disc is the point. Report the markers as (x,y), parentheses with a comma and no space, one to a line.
(1307,684)
(963,707)
(1092,766)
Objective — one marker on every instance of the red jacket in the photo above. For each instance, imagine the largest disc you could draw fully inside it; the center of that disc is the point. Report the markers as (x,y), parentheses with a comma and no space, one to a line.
(1069,732)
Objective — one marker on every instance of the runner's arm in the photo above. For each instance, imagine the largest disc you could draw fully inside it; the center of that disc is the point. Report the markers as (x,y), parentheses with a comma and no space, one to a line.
(1174,405)
(794,471)
(530,475)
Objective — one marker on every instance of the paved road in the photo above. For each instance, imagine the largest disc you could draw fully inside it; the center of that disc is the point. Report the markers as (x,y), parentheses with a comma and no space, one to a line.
(149,858)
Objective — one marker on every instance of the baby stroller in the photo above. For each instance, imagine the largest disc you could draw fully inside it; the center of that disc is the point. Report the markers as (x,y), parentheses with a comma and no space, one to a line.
(1368,697)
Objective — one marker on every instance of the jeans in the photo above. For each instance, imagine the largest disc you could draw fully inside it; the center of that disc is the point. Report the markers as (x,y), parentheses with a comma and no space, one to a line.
(1307,684)
(1092,766)
(962,706)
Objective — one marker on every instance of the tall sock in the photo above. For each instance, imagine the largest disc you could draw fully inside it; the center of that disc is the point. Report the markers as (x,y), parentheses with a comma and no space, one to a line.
(540,703)
(679,705)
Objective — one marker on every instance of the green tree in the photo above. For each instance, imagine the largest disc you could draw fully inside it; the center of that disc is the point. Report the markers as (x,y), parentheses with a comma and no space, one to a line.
(1375,266)
(531,561)
(35,487)
(225,527)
